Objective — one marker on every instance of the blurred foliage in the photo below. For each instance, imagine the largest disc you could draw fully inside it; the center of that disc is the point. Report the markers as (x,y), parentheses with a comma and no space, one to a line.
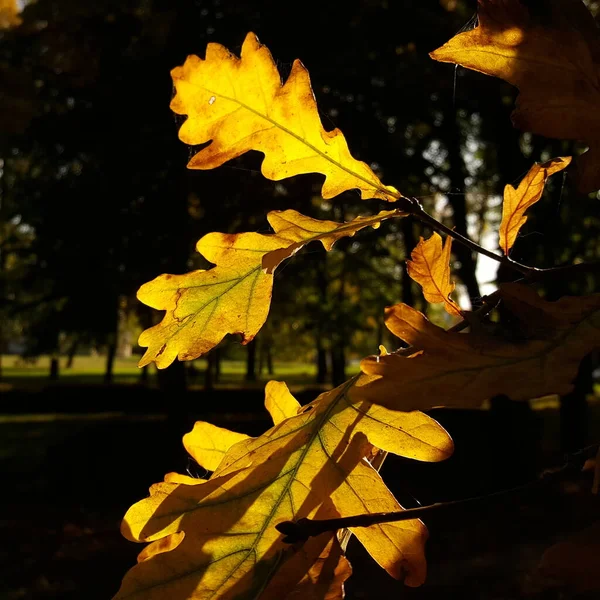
(95,199)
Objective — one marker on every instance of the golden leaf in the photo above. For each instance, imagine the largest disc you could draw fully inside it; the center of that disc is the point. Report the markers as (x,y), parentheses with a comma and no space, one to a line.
(235,295)
(517,201)
(554,60)
(430,268)
(310,464)
(207,443)
(240,104)
(443,368)
(9,14)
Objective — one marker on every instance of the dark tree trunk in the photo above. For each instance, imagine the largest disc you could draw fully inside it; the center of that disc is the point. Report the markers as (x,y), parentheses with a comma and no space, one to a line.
(574,409)
(321,357)
(467,259)
(110,359)
(409,241)
(144,376)
(72,352)
(54,368)
(209,374)
(265,356)
(321,360)
(251,361)
(217,364)
(338,364)
(270,370)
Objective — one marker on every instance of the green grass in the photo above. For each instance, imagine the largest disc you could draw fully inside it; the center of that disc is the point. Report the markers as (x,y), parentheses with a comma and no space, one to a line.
(90,370)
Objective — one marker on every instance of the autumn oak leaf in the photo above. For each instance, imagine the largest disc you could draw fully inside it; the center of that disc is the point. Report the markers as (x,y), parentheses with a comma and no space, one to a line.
(311,463)
(316,570)
(235,295)
(445,368)
(240,104)
(430,268)
(552,55)
(517,201)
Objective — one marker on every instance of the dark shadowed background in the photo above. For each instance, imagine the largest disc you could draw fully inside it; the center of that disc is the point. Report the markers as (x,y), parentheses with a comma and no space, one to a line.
(95,200)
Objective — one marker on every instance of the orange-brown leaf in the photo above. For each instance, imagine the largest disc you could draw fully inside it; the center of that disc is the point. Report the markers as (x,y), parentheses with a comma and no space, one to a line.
(575,562)
(240,104)
(430,268)
(9,14)
(308,465)
(234,296)
(517,201)
(443,368)
(316,570)
(553,57)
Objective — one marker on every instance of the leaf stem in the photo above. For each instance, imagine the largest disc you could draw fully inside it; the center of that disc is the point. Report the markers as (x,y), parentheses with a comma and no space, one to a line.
(413,207)
(305,528)
(417,211)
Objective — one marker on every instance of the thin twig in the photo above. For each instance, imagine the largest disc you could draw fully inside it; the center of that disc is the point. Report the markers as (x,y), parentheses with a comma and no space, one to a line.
(305,528)
(417,211)
(413,207)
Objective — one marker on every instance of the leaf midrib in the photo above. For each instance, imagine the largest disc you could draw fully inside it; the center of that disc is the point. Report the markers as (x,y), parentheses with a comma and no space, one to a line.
(327,157)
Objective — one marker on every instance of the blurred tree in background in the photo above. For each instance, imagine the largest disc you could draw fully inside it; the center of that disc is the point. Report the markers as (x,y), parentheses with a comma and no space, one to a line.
(96,198)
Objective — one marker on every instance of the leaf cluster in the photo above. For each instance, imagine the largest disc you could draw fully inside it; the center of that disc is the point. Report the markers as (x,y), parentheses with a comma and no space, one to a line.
(218,537)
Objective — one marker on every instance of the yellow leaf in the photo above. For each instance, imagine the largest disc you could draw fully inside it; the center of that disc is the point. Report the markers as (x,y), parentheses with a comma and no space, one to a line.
(279,402)
(179,478)
(309,465)
(207,443)
(443,368)
(554,60)
(240,104)
(298,230)
(517,201)
(234,296)
(430,268)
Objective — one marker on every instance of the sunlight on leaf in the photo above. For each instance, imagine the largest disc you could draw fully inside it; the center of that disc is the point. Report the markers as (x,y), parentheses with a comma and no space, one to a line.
(310,464)
(553,57)
(234,296)
(240,104)
(9,14)
(443,368)
(517,201)
(207,443)
(430,268)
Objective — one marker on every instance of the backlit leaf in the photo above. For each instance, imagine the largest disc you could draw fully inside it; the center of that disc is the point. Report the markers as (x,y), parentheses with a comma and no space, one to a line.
(9,14)
(430,268)
(279,402)
(308,465)
(553,56)
(207,443)
(517,201)
(443,368)
(235,295)
(310,578)
(240,104)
